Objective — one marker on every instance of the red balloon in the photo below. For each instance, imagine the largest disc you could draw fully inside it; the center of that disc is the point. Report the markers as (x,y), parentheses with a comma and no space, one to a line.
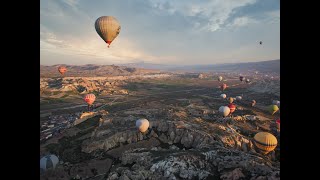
(62,70)
(223,86)
(278,123)
(90,98)
(232,107)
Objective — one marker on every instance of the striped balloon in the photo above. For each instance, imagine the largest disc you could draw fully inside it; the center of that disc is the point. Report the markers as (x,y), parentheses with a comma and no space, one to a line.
(265,142)
(62,70)
(108,28)
(90,98)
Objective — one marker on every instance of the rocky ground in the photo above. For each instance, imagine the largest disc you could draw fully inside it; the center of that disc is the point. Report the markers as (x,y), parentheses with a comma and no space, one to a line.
(187,139)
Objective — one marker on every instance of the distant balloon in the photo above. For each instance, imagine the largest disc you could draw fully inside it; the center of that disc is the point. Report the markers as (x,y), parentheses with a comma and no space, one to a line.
(142,125)
(265,142)
(238,98)
(49,162)
(223,96)
(278,123)
(260,42)
(232,107)
(247,80)
(253,103)
(220,78)
(275,102)
(256,72)
(90,98)
(62,70)
(241,78)
(108,28)
(224,111)
(273,109)
(230,100)
(223,86)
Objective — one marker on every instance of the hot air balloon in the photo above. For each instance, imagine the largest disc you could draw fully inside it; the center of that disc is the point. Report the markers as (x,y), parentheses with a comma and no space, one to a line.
(89,98)
(223,96)
(48,162)
(220,78)
(247,80)
(238,98)
(273,109)
(224,111)
(275,102)
(62,70)
(223,86)
(278,123)
(265,142)
(232,107)
(108,28)
(241,78)
(256,72)
(230,100)
(142,125)
(253,103)
(260,42)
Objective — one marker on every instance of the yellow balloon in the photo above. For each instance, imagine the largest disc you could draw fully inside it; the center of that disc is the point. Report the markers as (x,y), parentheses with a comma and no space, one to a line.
(265,142)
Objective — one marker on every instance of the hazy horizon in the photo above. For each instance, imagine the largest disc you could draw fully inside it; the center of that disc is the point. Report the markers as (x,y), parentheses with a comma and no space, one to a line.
(161,32)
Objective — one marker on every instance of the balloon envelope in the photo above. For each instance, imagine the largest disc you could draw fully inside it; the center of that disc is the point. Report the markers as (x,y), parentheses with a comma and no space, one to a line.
(108,28)
(62,70)
(142,125)
(265,142)
(220,78)
(238,98)
(223,86)
(273,109)
(253,103)
(231,99)
(223,96)
(90,98)
(232,107)
(48,162)
(224,111)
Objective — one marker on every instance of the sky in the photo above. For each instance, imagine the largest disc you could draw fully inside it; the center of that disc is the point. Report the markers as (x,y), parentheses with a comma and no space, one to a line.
(172,32)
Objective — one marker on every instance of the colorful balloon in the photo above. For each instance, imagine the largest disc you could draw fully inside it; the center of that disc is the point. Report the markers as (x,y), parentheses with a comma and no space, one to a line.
(223,86)
(265,142)
(232,107)
(231,100)
(108,28)
(62,70)
(90,98)
(142,125)
(273,109)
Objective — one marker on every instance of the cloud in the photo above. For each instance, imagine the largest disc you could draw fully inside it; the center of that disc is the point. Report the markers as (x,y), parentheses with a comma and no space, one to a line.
(157,31)
(215,13)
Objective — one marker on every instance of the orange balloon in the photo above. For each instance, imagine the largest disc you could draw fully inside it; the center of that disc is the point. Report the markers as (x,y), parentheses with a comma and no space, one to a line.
(62,70)
(90,98)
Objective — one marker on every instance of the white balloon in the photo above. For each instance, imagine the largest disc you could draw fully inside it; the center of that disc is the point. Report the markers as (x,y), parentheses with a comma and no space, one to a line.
(224,111)
(223,96)
(238,98)
(142,125)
